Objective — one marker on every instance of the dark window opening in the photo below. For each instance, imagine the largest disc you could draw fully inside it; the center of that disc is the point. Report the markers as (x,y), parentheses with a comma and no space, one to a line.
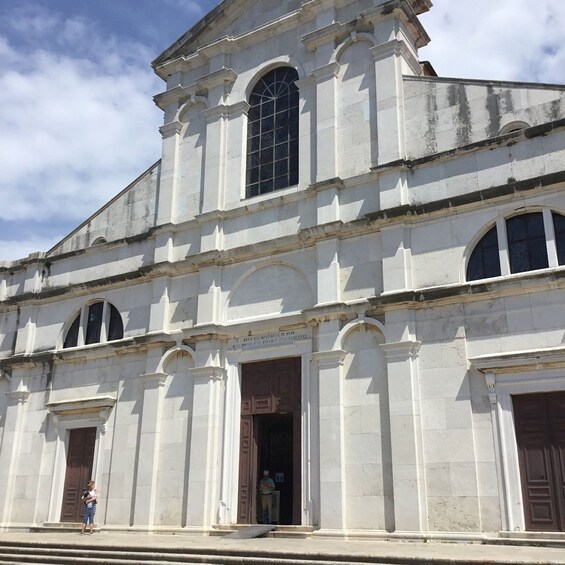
(94,323)
(116,326)
(272,133)
(485,260)
(559,227)
(71,340)
(526,243)
(95,316)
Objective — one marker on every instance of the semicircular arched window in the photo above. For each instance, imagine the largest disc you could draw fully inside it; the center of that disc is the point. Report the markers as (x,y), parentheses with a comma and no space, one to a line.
(97,322)
(272,133)
(526,242)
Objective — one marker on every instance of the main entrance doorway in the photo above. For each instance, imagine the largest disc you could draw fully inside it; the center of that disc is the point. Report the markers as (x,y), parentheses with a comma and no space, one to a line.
(270,438)
(540,435)
(80,458)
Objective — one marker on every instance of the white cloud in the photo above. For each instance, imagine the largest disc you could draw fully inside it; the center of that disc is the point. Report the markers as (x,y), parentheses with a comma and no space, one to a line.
(76,124)
(504,40)
(12,249)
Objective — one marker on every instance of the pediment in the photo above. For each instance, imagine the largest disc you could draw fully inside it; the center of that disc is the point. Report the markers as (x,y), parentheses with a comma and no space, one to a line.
(236,18)
(229,18)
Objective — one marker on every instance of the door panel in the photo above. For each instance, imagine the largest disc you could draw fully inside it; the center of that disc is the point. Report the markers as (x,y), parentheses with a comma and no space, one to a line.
(540,435)
(270,388)
(80,459)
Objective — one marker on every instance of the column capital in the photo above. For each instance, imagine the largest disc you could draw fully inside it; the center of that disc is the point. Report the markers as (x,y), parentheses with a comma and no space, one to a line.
(210,373)
(18,396)
(153,380)
(401,350)
(170,129)
(329,71)
(221,111)
(328,359)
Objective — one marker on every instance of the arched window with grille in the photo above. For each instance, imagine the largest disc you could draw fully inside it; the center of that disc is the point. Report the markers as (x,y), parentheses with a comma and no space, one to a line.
(97,322)
(531,241)
(272,133)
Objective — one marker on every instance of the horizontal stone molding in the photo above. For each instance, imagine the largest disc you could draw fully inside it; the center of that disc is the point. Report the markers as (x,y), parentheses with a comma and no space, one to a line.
(401,350)
(329,359)
(81,405)
(153,380)
(208,373)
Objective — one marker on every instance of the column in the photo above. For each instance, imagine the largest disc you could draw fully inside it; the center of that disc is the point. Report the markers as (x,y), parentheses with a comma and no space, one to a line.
(307,131)
(326,122)
(388,73)
(329,286)
(410,503)
(149,440)
(332,444)
(169,166)
(236,159)
(13,428)
(205,448)
(209,296)
(397,258)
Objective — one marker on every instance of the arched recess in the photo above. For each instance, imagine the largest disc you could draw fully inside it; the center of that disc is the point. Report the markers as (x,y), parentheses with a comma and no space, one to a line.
(171,497)
(267,290)
(342,335)
(366,422)
(244,83)
(516,125)
(356,104)
(191,156)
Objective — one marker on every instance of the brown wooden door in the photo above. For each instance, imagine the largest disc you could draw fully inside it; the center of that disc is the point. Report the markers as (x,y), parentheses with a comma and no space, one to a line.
(80,457)
(268,387)
(540,435)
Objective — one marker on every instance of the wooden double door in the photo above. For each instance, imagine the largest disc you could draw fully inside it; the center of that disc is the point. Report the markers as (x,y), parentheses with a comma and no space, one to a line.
(540,435)
(80,457)
(270,437)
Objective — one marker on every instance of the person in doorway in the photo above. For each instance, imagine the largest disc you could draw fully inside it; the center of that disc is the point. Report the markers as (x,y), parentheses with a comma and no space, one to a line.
(88,500)
(266,490)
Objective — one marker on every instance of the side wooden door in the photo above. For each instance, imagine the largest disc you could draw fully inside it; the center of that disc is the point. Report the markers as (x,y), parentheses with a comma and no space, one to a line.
(540,435)
(80,459)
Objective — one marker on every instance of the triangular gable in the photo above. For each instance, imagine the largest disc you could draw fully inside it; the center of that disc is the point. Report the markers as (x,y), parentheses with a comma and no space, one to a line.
(129,213)
(232,18)
(229,18)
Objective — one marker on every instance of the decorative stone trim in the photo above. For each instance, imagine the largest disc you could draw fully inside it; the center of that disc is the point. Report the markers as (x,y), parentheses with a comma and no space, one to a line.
(101,405)
(172,128)
(212,373)
(153,380)
(401,350)
(396,47)
(325,35)
(549,358)
(173,95)
(329,71)
(18,396)
(328,359)
(92,404)
(319,186)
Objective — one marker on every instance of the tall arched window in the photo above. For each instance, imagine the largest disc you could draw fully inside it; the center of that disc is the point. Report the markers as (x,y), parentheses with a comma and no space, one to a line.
(529,245)
(98,322)
(272,133)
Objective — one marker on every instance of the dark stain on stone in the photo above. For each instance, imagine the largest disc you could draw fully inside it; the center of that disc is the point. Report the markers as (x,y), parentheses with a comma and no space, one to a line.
(555,109)
(508,101)
(431,112)
(493,109)
(457,94)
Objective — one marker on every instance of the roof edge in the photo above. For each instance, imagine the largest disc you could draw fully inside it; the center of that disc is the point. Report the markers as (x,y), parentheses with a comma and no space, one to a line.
(105,206)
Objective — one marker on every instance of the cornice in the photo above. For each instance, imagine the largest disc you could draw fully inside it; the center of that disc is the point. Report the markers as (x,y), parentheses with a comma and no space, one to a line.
(401,350)
(330,33)
(516,361)
(89,404)
(329,71)
(179,93)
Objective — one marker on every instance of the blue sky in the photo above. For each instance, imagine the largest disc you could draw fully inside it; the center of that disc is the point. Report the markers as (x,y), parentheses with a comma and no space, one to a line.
(77,120)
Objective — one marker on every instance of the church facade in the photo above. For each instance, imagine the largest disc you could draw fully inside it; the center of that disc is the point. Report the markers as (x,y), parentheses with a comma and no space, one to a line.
(344,269)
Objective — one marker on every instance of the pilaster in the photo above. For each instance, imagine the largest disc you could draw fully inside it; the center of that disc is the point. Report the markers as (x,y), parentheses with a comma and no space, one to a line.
(205,447)
(332,442)
(410,503)
(9,455)
(328,271)
(169,171)
(149,442)
(325,78)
